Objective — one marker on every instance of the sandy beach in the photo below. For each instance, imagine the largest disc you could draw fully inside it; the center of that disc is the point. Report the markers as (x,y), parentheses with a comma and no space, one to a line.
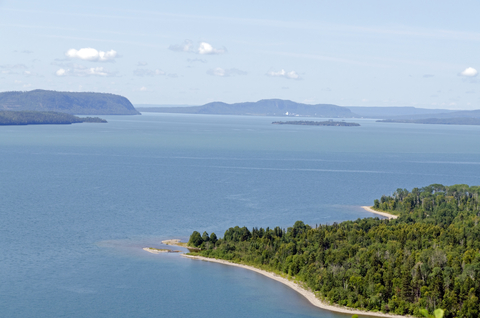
(306,293)
(388,215)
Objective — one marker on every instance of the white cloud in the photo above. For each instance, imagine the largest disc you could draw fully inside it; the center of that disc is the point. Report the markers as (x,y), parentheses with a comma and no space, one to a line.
(80,70)
(61,72)
(90,54)
(218,71)
(283,73)
(469,72)
(202,48)
(143,88)
(206,48)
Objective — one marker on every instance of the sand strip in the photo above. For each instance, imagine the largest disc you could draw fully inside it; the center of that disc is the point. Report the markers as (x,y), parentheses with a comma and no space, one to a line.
(306,293)
(385,214)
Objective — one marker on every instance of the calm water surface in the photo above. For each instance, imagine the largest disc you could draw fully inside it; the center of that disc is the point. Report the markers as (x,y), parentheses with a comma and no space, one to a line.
(80,201)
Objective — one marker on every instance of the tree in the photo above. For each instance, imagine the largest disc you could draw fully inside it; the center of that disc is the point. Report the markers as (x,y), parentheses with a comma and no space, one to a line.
(195,239)
(213,238)
(205,237)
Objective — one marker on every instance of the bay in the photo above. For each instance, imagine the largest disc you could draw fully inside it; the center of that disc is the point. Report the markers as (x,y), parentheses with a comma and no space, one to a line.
(80,201)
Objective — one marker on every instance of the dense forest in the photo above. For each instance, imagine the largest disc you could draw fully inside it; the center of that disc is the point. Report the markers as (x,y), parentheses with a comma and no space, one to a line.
(427,258)
(42,118)
(78,103)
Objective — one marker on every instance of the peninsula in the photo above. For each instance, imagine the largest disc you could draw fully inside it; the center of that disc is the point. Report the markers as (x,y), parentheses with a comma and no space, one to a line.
(315,123)
(75,103)
(427,257)
(43,118)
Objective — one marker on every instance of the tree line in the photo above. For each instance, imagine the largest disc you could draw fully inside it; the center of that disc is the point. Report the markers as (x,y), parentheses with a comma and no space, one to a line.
(9,117)
(427,258)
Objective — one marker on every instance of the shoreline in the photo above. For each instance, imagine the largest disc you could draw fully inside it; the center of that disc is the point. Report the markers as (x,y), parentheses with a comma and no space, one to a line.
(304,292)
(385,214)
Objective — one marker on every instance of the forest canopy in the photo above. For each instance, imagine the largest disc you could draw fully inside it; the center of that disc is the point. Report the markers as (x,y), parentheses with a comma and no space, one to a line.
(43,118)
(427,258)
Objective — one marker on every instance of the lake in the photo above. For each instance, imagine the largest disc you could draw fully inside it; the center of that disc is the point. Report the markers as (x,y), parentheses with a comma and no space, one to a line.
(79,202)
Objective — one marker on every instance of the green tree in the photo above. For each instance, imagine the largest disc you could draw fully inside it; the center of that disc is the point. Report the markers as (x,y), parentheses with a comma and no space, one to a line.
(213,238)
(195,239)
(205,237)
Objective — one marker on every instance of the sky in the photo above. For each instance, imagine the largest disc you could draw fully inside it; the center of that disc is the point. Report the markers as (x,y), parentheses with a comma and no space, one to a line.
(349,53)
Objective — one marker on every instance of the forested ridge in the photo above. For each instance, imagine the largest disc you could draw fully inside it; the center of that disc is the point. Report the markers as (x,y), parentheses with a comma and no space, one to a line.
(42,118)
(78,103)
(426,258)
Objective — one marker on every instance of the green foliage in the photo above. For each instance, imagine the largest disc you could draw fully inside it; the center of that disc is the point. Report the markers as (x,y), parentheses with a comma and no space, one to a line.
(213,238)
(39,118)
(79,103)
(429,257)
(437,313)
(195,239)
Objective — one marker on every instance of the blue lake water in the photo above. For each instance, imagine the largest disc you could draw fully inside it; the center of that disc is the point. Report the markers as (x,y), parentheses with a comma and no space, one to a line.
(78,202)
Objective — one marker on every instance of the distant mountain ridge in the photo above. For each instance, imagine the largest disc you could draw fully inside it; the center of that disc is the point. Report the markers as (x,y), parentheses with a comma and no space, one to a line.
(78,103)
(279,107)
(264,107)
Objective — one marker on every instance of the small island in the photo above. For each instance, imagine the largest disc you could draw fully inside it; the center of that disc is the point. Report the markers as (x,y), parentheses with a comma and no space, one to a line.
(10,117)
(424,257)
(315,123)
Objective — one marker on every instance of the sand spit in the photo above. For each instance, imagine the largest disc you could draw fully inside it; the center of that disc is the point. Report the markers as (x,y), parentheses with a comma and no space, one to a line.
(388,215)
(154,250)
(176,242)
(299,289)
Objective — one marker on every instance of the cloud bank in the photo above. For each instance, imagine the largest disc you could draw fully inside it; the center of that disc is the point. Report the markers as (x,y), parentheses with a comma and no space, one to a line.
(202,48)
(284,74)
(91,54)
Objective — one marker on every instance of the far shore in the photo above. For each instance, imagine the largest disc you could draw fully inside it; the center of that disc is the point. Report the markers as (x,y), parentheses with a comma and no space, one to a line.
(385,214)
(299,289)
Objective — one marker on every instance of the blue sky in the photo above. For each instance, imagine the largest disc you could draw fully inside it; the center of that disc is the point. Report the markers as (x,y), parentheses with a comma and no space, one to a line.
(362,53)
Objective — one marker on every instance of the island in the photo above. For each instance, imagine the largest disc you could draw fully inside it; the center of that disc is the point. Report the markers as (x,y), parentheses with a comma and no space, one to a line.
(426,258)
(436,121)
(315,123)
(74,103)
(43,118)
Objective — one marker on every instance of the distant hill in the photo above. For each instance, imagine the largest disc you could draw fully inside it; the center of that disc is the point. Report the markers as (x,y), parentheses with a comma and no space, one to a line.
(264,107)
(78,103)
(390,112)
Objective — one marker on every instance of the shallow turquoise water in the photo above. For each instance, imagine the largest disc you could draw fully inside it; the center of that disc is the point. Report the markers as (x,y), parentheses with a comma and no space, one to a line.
(80,201)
